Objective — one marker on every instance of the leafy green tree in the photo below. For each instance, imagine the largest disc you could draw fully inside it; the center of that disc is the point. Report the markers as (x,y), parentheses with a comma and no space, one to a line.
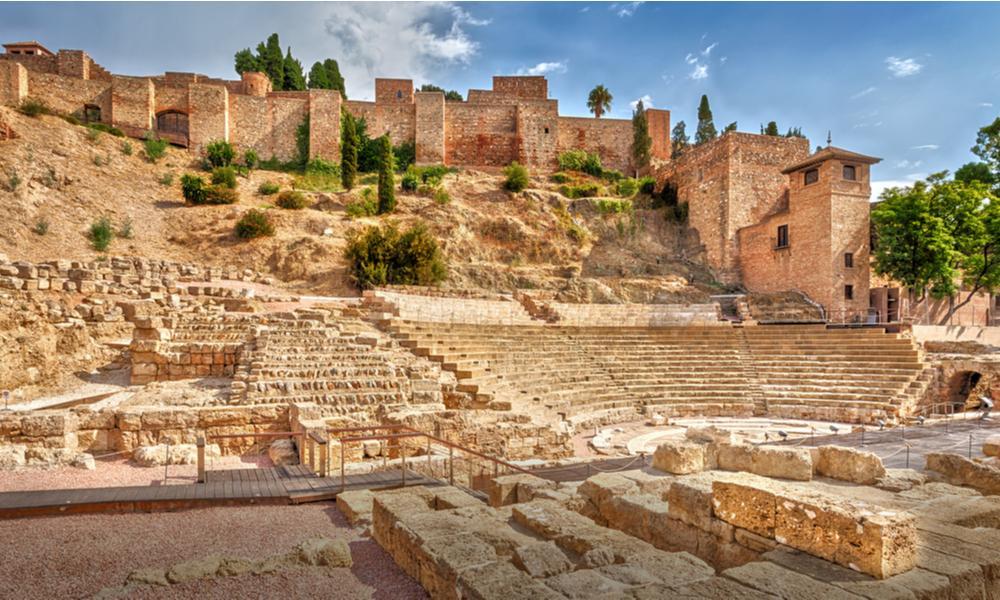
(939,236)
(386,180)
(976,171)
(706,126)
(294,79)
(334,77)
(730,127)
(246,61)
(272,61)
(679,139)
(599,101)
(448,95)
(771,129)
(641,142)
(795,132)
(317,77)
(988,146)
(348,150)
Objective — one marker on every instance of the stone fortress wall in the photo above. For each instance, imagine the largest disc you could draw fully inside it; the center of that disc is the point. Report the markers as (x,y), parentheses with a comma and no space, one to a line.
(513,121)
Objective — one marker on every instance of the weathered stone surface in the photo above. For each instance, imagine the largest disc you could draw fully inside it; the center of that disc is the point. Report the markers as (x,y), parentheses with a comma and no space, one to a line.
(679,458)
(508,488)
(148,576)
(768,577)
(899,480)
(501,580)
(356,506)
(194,569)
(717,587)
(958,470)
(179,454)
(991,447)
(782,462)
(542,559)
(12,456)
(586,583)
(283,452)
(849,464)
(324,552)
(735,457)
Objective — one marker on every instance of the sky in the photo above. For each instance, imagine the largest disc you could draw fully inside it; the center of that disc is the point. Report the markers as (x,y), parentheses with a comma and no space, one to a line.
(908,82)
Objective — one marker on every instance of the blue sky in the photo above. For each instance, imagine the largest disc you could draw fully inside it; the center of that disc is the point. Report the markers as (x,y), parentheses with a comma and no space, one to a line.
(908,82)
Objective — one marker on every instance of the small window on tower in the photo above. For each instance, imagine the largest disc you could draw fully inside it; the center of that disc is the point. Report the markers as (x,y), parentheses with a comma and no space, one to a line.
(850,173)
(848,259)
(848,292)
(782,236)
(812,176)
(399,94)
(546,130)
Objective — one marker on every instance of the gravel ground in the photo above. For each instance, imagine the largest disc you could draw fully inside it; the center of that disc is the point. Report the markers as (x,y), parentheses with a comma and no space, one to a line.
(119,472)
(77,556)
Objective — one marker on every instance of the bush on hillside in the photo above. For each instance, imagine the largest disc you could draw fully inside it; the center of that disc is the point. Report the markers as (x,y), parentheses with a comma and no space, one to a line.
(517,177)
(268,188)
(365,206)
(410,181)
(581,190)
(193,189)
(320,176)
(224,176)
(253,224)
(647,185)
(105,128)
(217,194)
(582,161)
(627,187)
(220,153)
(154,147)
(291,199)
(559,177)
(101,233)
(386,256)
(250,159)
(33,107)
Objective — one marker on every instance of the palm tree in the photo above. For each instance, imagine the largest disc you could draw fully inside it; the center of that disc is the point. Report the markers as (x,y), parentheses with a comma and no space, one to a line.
(599,101)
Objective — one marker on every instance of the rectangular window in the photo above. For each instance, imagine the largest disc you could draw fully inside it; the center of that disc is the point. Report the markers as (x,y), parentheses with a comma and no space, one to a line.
(848,259)
(782,236)
(812,176)
(848,292)
(850,173)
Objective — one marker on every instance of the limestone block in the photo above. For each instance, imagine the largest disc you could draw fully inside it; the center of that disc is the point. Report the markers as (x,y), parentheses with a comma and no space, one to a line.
(506,489)
(194,569)
(849,464)
(958,470)
(601,488)
(765,576)
(586,583)
(324,552)
(180,454)
(734,457)
(709,435)
(747,503)
(541,559)
(991,447)
(451,497)
(501,580)
(679,458)
(12,456)
(782,462)
(690,500)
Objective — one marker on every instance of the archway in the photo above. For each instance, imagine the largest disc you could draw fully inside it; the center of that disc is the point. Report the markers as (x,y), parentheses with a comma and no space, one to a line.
(961,390)
(172,125)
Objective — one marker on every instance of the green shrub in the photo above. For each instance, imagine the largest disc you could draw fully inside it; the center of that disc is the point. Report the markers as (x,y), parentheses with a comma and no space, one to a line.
(386,180)
(318,165)
(224,176)
(320,176)
(275,164)
(125,231)
(385,256)
(268,188)
(218,194)
(105,128)
(441,196)
(404,155)
(581,190)
(612,176)
(365,206)
(155,147)
(559,178)
(100,161)
(93,135)
(101,233)
(254,223)
(41,226)
(127,148)
(250,159)
(610,206)
(410,181)
(572,160)
(71,119)
(517,177)
(220,153)
(13,181)
(302,142)
(292,200)
(627,187)
(647,185)
(33,107)
(193,189)
(167,179)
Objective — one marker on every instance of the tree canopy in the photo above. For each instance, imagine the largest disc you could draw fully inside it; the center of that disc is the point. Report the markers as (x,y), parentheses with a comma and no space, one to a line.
(599,101)
(448,95)
(679,139)
(641,142)
(706,126)
(285,71)
(326,76)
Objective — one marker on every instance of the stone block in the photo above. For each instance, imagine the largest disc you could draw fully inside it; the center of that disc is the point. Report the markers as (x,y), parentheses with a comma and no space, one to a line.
(958,470)
(679,458)
(504,490)
(356,506)
(991,447)
(849,464)
(782,462)
(541,560)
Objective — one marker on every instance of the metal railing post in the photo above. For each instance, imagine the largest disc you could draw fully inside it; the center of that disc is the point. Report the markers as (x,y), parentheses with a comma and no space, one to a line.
(430,467)
(166,464)
(310,452)
(402,453)
(323,452)
(201,458)
(343,477)
(451,466)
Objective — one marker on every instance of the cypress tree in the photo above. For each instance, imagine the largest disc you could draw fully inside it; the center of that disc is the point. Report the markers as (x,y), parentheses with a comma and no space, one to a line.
(246,61)
(386,180)
(679,140)
(706,126)
(334,77)
(317,77)
(641,142)
(272,61)
(348,150)
(294,79)
(771,129)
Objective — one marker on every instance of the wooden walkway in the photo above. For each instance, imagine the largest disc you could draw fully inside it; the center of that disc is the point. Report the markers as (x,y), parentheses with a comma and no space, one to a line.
(231,487)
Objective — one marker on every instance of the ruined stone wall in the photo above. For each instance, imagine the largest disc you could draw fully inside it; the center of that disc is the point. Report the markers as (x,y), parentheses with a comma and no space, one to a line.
(429,127)
(285,114)
(535,88)
(610,138)
(659,132)
(480,134)
(537,131)
(171,97)
(33,62)
(208,119)
(70,95)
(13,83)
(73,63)
(132,104)
(324,124)
(396,119)
(393,91)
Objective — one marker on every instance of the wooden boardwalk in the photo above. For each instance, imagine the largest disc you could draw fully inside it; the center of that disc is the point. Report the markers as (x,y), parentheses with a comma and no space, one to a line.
(231,487)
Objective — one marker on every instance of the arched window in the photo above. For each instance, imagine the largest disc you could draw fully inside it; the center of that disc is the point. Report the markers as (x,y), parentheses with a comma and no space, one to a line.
(172,121)
(91,113)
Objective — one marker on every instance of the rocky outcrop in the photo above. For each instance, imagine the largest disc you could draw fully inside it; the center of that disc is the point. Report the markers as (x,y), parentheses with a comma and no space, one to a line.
(958,470)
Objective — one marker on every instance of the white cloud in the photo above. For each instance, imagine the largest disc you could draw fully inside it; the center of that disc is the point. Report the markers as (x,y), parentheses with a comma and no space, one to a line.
(625,9)
(903,67)
(699,72)
(880,186)
(863,93)
(544,68)
(647,102)
(723,60)
(410,40)
(908,164)
(690,59)
(709,49)
(585,9)
(864,125)
(986,105)
(925,147)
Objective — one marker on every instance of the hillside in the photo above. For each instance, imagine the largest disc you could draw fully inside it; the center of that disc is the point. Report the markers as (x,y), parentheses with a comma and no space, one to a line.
(68,176)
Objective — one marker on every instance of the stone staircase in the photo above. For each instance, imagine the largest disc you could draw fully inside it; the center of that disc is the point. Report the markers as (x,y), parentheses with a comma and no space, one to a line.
(592,375)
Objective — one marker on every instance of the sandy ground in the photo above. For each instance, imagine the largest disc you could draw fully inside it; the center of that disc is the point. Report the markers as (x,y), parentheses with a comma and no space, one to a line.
(77,556)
